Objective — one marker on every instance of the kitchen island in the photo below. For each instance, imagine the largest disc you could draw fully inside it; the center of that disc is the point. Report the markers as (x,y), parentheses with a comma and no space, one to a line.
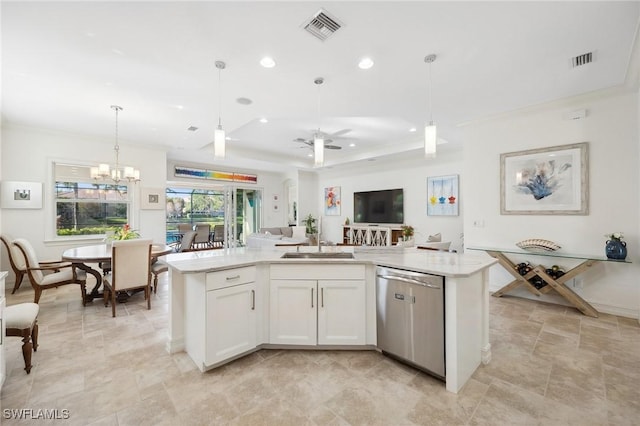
(224,304)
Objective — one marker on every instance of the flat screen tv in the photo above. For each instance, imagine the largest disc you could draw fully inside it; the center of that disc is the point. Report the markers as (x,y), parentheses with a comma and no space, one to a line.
(386,206)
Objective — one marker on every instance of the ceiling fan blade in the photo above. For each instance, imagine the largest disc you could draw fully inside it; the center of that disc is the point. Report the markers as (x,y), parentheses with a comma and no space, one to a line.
(340,133)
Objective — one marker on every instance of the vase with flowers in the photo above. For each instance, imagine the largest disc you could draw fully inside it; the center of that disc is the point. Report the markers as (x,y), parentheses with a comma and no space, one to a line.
(615,248)
(122,233)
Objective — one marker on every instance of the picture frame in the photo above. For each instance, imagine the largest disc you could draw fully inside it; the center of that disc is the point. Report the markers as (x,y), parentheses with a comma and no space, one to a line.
(21,195)
(152,199)
(443,195)
(332,201)
(545,181)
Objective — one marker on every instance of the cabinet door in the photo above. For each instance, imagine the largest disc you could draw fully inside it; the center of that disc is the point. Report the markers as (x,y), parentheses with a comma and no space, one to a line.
(3,346)
(341,312)
(231,322)
(293,312)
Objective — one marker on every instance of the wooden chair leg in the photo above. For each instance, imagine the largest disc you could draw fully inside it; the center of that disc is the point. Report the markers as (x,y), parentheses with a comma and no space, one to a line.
(83,291)
(34,336)
(27,349)
(105,296)
(38,293)
(113,303)
(19,276)
(155,283)
(147,292)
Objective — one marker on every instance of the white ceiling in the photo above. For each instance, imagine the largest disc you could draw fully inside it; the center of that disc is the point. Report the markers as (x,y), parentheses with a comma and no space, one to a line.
(65,63)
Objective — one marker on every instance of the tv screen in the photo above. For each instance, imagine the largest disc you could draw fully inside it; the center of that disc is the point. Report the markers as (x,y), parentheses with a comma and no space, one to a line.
(386,206)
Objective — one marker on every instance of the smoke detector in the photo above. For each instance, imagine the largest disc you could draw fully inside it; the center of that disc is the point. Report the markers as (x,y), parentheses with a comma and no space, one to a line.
(321,25)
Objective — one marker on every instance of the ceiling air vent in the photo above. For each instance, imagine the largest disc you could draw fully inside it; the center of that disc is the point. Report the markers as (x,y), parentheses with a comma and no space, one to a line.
(322,25)
(583,59)
(192,128)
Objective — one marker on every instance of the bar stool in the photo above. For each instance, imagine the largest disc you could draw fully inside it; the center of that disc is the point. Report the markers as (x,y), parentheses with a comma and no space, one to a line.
(22,321)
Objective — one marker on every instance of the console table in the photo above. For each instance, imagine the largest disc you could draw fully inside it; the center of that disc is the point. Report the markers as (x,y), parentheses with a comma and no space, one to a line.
(370,235)
(556,284)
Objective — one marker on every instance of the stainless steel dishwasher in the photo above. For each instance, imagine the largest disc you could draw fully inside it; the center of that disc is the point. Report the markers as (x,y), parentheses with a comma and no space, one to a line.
(410,317)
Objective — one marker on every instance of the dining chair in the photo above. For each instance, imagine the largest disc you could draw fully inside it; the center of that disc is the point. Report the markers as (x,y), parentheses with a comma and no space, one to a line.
(203,238)
(16,260)
(21,320)
(130,270)
(61,273)
(159,266)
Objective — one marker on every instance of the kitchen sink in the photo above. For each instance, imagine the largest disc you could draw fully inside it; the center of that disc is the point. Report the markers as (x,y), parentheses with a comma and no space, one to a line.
(317,255)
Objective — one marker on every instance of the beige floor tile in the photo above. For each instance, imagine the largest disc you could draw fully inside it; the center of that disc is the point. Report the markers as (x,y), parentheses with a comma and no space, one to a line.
(551,366)
(507,404)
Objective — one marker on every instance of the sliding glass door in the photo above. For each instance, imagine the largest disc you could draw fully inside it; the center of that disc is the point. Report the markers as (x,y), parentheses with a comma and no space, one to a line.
(239,209)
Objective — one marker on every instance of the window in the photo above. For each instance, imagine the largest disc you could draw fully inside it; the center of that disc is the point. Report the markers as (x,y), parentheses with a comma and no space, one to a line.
(87,207)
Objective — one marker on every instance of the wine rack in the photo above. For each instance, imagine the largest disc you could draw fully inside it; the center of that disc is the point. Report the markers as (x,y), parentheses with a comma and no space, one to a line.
(552,281)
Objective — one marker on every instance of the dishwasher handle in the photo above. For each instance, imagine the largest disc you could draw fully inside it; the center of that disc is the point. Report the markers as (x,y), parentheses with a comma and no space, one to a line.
(408,280)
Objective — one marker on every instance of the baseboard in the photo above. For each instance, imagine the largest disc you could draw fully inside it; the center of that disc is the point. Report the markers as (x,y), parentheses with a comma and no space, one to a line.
(553,297)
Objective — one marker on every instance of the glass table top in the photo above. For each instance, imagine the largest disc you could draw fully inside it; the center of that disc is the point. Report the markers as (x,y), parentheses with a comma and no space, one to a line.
(558,253)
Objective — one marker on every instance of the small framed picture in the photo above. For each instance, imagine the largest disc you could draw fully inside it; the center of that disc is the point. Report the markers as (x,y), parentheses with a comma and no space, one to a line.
(152,199)
(21,195)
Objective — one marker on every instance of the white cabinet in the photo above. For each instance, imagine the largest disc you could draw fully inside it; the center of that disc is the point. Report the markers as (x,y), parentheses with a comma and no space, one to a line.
(231,322)
(326,308)
(341,312)
(221,312)
(293,312)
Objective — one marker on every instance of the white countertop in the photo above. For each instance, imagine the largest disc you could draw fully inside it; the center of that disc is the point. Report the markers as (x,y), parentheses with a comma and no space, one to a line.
(409,258)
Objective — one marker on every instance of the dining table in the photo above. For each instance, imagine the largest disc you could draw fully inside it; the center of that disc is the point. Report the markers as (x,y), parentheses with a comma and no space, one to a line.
(83,256)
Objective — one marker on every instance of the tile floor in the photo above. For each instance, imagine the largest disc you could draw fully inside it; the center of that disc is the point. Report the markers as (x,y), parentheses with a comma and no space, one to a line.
(551,366)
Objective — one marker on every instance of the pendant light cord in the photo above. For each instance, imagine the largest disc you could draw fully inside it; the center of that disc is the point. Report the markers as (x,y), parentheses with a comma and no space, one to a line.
(318,82)
(430,97)
(219,98)
(429,59)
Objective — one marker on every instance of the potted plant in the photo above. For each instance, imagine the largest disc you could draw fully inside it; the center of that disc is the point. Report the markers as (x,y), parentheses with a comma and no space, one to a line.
(311,230)
(407,232)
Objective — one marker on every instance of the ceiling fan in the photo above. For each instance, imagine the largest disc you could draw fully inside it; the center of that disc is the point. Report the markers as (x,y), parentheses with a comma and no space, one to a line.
(328,141)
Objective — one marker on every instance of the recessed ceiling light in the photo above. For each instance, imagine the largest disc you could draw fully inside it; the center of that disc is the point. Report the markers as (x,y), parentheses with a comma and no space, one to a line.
(413,129)
(192,128)
(352,144)
(309,155)
(365,63)
(264,120)
(244,101)
(179,106)
(267,62)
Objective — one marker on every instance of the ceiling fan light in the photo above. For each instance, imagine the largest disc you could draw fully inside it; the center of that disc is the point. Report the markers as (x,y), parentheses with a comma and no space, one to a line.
(318,151)
(430,140)
(219,143)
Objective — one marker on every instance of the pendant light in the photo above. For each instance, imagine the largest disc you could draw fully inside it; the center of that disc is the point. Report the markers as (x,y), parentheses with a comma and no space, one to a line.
(116,174)
(219,135)
(318,140)
(430,128)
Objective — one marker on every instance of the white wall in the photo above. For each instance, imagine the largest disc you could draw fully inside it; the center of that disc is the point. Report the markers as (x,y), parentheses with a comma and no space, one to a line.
(611,129)
(27,155)
(412,177)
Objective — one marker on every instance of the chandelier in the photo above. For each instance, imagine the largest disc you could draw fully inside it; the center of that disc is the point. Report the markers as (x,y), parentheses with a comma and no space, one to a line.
(117,173)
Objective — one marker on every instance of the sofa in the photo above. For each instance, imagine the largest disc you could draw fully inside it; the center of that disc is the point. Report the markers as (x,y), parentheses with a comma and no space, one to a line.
(269,237)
